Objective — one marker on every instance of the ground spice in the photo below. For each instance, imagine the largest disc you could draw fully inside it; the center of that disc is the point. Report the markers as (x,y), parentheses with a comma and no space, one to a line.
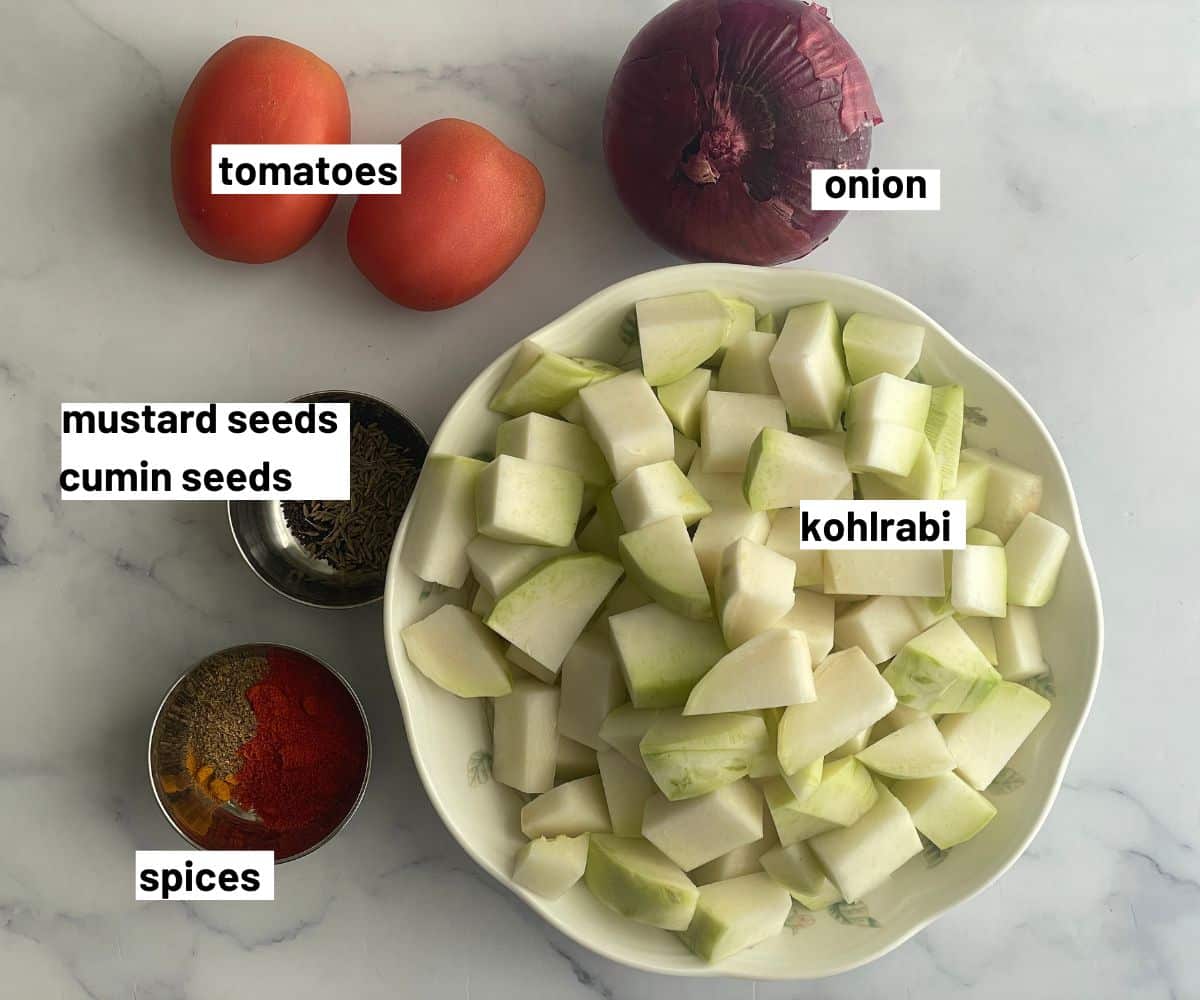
(261,752)
(355,536)
(304,767)
(207,721)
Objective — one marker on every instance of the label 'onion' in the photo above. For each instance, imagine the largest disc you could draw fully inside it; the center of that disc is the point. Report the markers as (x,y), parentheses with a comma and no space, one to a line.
(717,114)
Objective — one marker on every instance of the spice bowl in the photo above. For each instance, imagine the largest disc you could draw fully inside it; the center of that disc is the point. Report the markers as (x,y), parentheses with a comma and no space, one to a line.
(280,557)
(260,747)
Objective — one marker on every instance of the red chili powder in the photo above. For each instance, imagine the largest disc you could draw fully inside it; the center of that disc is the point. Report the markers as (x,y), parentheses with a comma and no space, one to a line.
(304,766)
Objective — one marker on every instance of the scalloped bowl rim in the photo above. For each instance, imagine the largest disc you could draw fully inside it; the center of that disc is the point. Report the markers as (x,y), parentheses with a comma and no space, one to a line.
(708,276)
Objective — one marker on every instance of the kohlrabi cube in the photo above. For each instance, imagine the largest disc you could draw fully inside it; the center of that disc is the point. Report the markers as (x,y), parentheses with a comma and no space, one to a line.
(784,538)
(862,857)
(740,861)
(525,736)
(879,626)
(736,914)
(851,695)
(753,590)
(663,654)
(549,866)
(784,470)
(888,399)
(592,686)
(941,670)
(528,503)
(1012,492)
(729,423)
(573,411)
(1035,553)
(807,780)
(633,877)
(792,824)
(873,345)
(771,670)
(545,613)
(723,491)
(971,488)
(845,793)
(626,788)
(1018,645)
(453,649)
(983,741)
(530,665)
(879,447)
(442,521)
(692,755)
(913,751)
(897,718)
(682,400)
(746,366)
(980,631)
(541,381)
(483,601)
(685,451)
(923,481)
(500,566)
(980,536)
(567,810)
(766,763)
(678,333)
(796,869)
(944,431)
(549,441)
(603,528)
(945,809)
(744,317)
(652,492)
(979,581)
(627,423)
(928,610)
(694,831)
(852,746)
(809,368)
(573,760)
(715,533)
(659,558)
(624,727)
(767,323)
(625,596)
(813,614)
(898,572)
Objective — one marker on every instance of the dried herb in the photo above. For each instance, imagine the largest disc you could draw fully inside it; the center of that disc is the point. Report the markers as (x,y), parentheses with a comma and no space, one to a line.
(355,535)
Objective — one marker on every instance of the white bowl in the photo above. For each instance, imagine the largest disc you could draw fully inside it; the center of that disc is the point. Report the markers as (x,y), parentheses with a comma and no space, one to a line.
(449,736)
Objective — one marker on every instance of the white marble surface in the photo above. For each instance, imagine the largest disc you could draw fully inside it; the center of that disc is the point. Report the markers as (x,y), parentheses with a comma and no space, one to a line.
(1065,255)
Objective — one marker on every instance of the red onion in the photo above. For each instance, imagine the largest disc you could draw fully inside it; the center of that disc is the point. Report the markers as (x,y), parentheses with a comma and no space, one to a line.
(716,115)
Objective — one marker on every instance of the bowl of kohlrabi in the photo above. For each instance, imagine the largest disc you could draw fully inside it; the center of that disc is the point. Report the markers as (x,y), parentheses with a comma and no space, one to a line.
(687,740)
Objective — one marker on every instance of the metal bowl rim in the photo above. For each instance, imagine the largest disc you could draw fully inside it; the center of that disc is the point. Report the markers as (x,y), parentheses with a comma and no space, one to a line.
(348,396)
(362,714)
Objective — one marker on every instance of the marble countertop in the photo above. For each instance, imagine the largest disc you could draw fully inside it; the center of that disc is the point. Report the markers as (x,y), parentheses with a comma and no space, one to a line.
(1065,255)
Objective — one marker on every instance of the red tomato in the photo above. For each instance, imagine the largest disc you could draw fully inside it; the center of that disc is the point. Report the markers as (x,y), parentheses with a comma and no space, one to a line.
(467,208)
(254,90)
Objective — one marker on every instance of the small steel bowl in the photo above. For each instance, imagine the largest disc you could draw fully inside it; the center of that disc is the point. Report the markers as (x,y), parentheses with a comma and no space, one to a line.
(262,536)
(177,806)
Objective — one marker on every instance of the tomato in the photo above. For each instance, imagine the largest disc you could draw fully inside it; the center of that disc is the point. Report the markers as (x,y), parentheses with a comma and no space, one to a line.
(254,90)
(467,208)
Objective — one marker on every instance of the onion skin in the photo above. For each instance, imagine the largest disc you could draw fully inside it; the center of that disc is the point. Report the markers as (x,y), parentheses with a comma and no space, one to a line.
(717,113)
